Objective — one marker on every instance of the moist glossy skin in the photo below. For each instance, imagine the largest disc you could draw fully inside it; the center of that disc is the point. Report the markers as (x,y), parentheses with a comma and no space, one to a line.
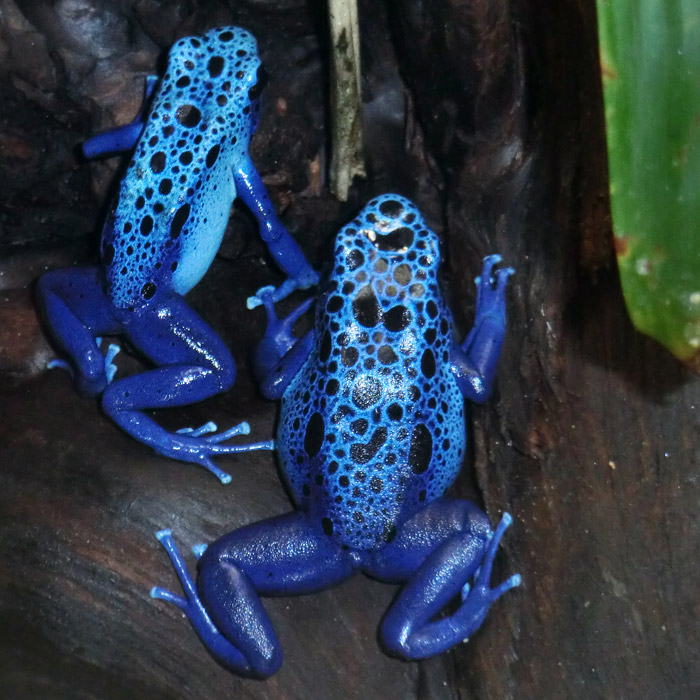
(190,161)
(372,426)
(174,202)
(371,435)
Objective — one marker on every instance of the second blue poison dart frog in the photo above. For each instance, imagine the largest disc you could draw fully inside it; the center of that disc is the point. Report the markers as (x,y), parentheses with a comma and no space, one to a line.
(190,161)
(371,434)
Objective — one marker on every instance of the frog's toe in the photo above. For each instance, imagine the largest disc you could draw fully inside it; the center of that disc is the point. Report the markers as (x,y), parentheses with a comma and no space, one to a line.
(208,427)
(110,368)
(159,593)
(58,363)
(240,429)
(258,299)
(199,549)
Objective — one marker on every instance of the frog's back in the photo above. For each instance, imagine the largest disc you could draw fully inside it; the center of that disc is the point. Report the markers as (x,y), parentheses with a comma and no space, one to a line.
(372,427)
(174,201)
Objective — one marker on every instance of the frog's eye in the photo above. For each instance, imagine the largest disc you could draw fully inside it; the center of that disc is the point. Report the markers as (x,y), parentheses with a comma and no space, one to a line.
(397,241)
(255,91)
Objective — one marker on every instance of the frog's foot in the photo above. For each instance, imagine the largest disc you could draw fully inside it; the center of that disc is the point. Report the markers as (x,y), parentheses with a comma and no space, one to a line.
(477,599)
(199,445)
(409,630)
(279,331)
(274,293)
(92,382)
(193,608)
(58,363)
(112,351)
(121,138)
(491,289)
(284,290)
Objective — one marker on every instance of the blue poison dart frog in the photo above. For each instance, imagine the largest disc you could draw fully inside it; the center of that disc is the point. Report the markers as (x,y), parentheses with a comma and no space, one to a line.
(371,434)
(190,161)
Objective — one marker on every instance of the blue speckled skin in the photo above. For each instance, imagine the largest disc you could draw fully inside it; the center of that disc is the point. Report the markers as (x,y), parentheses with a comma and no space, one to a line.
(371,434)
(190,161)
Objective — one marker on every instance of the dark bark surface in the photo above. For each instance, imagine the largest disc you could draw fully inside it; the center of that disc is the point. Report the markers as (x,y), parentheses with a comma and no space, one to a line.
(489,115)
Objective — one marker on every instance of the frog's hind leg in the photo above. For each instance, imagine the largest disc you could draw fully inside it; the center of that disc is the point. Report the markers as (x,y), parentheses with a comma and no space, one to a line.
(77,310)
(285,555)
(460,563)
(192,364)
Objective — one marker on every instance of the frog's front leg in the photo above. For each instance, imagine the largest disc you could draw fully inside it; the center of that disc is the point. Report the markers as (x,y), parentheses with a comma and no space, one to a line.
(279,356)
(284,249)
(463,550)
(121,138)
(474,362)
(285,555)
(192,364)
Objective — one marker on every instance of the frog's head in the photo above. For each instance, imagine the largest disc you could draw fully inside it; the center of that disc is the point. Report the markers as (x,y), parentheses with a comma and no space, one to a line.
(216,72)
(389,229)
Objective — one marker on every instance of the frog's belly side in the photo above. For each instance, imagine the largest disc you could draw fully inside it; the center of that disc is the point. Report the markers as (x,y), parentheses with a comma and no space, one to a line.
(175,249)
(362,487)
(203,238)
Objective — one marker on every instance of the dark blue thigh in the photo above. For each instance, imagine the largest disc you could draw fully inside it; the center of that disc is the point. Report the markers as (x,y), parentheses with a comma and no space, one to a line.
(77,294)
(285,555)
(169,332)
(422,534)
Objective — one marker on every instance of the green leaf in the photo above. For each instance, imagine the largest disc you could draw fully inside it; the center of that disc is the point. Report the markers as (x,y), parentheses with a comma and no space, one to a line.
(650,61)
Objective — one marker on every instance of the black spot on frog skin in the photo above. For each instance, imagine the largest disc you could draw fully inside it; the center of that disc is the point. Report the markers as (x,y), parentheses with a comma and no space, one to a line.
(395,241)
(355,259)
(391,208)
(335,304)
(212,155)
(188,115)
(403,274)
(179,220)
(313,439)
(327,525)
(376,484)
(348,356)
(215,66)
(359,427)
(365,307)
(158,162)
(395,412)
(148,290)
(366,392)
(421,450)
(386,355)
(363,453)
(325,351)
(397,318)
(341,413)
(165,186)
(427,364)
(146,225)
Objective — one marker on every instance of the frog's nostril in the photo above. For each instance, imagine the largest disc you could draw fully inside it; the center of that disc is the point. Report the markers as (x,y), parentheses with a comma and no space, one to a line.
(397,241)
